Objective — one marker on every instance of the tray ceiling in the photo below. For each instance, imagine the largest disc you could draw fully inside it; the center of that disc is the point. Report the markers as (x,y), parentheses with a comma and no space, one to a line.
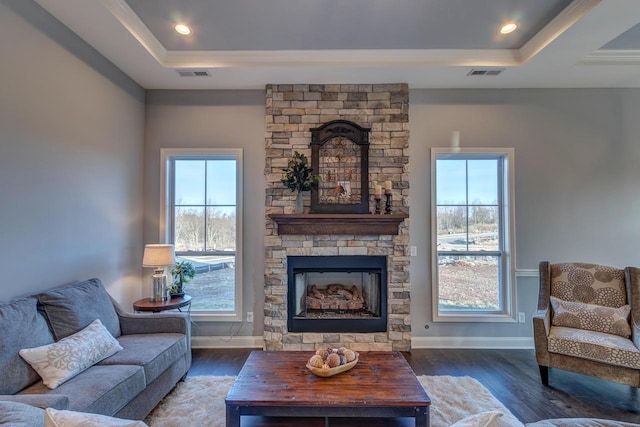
(245,44)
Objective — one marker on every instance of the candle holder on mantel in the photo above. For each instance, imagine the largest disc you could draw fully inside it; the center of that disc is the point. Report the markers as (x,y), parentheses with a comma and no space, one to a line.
(378,207)
(387,208)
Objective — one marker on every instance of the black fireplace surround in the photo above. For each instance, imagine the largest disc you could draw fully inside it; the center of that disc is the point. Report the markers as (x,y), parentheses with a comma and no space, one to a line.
(365,275)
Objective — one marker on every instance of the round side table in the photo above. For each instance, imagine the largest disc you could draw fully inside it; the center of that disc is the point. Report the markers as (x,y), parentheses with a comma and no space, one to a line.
(145,304)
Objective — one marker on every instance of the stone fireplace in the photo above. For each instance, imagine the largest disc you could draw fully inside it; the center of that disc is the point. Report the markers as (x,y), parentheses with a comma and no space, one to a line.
(376,303)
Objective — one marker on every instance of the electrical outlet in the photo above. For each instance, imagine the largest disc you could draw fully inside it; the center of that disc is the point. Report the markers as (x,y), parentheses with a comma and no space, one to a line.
(414,251)
(521,317)
(249,316)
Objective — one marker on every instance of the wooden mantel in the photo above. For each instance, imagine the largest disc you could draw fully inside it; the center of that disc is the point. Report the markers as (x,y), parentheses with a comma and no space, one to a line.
(357,224)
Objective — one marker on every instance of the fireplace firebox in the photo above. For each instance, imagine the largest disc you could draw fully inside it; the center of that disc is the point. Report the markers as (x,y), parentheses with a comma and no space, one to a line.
(337,293)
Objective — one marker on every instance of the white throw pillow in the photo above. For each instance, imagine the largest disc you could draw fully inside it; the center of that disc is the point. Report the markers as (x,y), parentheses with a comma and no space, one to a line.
(62,360)
(56,418)
(483,419)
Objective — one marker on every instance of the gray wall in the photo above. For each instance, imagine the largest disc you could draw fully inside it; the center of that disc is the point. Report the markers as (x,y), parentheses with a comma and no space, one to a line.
(214,119)
(577,181)
(71,144)
(576,168)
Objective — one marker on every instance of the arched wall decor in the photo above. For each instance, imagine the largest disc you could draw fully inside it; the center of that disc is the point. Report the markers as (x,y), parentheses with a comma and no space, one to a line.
(340,155)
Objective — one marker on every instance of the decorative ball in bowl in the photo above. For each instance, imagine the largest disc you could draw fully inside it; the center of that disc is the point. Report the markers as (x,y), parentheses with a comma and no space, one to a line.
(328,362)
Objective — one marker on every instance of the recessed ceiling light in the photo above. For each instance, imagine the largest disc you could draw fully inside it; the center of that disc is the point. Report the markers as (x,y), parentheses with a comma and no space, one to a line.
(508,28)
(182,29)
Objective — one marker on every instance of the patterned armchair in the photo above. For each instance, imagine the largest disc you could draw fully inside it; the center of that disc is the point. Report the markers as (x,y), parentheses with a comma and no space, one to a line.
(588,321)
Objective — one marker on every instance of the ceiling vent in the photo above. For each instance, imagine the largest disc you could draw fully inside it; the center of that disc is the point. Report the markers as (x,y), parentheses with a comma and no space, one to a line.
(485,71)
(194,73)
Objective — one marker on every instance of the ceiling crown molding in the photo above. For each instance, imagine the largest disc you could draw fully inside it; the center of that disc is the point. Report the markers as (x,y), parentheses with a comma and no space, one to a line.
(121,10)
(612,57)
(347,57)
(558,25)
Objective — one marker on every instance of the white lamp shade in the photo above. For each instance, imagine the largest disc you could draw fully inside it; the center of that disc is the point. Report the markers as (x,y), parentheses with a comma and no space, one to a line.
(159,255)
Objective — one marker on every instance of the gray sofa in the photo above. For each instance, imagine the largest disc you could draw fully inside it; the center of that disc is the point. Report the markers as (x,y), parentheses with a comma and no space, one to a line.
(129,384)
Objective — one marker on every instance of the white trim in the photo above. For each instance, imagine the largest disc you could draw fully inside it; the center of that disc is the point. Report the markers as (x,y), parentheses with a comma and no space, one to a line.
(341,57)
(212,316)
(508,207)
(227,342)
(347,57)
(527,272)
(612,57)
(473,317)
(514,343)
(511,343)
(165,154)
(558,25)
(121,10)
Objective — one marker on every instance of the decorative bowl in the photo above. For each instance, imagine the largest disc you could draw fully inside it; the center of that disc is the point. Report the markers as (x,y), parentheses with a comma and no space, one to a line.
(329,372)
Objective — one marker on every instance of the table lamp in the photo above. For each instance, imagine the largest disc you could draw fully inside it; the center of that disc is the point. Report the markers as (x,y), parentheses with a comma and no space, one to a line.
(159,256)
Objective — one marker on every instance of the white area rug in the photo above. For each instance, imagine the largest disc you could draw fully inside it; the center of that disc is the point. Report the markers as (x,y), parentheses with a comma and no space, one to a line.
(453,398)
(195,401)
(201,400)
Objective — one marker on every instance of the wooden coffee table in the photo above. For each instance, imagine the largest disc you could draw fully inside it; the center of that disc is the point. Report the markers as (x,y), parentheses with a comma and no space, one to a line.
(277,383)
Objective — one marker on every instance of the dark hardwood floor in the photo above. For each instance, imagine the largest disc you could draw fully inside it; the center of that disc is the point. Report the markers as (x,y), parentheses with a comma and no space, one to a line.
(511,376)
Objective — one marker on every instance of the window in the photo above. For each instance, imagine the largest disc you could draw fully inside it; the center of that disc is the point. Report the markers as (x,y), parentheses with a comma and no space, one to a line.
(202,217)
(472,229)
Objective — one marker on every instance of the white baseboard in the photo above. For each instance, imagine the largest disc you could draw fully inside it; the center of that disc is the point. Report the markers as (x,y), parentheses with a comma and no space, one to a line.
(226,342)
(513,343)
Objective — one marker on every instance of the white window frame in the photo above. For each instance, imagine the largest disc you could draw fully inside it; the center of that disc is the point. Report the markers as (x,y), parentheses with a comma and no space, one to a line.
(507,223)
(166,156)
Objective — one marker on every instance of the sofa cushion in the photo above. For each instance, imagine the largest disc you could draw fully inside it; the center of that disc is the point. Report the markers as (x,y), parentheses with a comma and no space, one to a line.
(54,418)
(43,401)
(62,360)
(591,317)
(100,389)
(154,352)
(590,283)
(13,414)
(16,319)
(597,346)
(71,308)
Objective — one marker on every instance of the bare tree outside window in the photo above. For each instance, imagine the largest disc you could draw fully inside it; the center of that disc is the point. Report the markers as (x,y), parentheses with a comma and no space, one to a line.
(203,226)
(471,224)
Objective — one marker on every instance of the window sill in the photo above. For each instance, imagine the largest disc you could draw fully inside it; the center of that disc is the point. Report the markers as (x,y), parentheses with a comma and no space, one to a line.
(474,318)
(205,316)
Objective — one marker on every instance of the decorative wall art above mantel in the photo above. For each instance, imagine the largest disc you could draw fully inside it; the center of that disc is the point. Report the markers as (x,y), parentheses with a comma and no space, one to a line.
(340,156)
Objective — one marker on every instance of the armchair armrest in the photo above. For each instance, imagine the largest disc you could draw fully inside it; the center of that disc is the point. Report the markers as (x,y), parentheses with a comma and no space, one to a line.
(541,328)
(542,320)
(55,401)
(155,323)
(542,317)
(632,277)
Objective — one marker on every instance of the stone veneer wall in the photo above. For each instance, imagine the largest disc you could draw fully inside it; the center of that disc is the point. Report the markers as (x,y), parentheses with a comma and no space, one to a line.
(291,111)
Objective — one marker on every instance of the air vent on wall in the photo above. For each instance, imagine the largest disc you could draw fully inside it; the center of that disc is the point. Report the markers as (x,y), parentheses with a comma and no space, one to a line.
(194,73)
(485,71)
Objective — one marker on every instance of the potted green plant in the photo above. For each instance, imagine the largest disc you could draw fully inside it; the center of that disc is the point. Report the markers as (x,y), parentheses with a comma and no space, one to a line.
(182,272)
(299,177)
